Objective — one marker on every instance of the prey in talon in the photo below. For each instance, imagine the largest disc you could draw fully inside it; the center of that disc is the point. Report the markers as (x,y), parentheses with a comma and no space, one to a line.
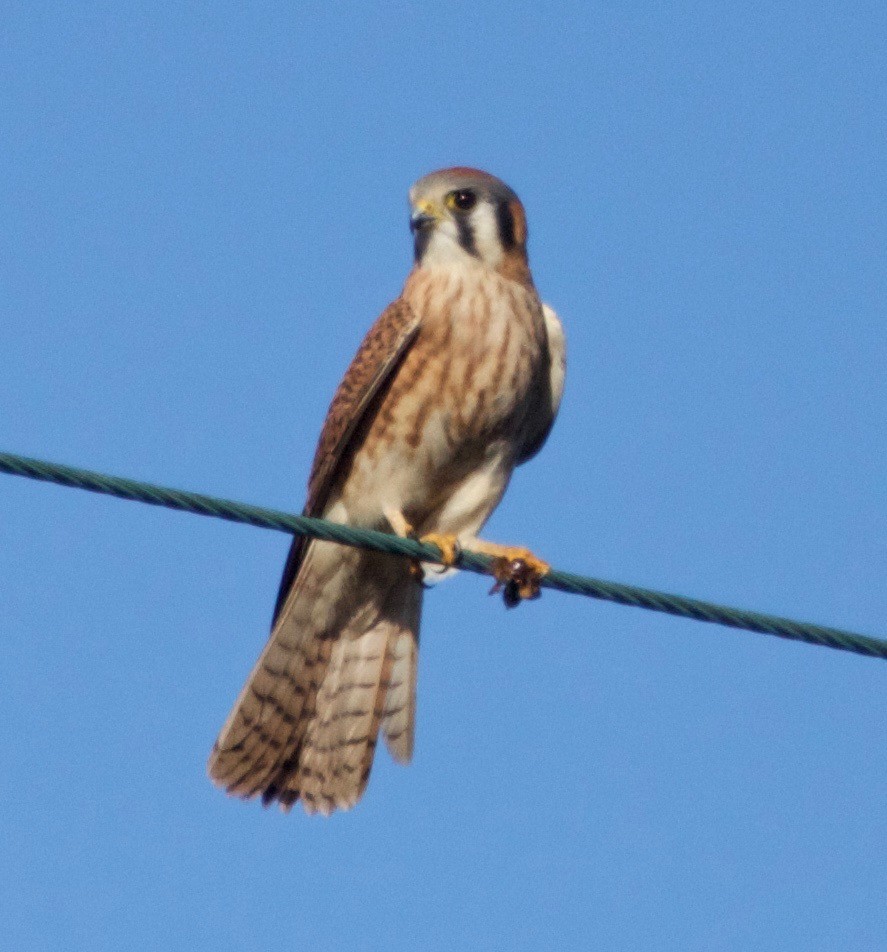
(518,574)
(515,580)
(456,384)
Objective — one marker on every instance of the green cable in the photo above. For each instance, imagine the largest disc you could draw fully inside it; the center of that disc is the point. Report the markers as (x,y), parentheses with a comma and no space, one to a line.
(473,562)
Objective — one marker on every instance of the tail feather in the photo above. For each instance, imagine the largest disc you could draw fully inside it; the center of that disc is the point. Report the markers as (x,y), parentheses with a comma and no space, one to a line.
(264,728)
(399,705)
(339,664)
(339,743)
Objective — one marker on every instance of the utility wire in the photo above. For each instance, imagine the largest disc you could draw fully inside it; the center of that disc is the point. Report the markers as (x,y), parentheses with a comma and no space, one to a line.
(409,548)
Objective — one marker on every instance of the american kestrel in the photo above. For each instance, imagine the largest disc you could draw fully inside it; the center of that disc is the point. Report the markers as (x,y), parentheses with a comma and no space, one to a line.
(456,383)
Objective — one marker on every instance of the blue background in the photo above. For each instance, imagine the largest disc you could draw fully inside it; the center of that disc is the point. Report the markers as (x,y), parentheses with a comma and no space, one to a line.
(204,207)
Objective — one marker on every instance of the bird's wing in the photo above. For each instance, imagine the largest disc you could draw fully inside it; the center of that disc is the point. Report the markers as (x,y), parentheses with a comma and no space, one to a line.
(371,371)
(551,400)
(341,660)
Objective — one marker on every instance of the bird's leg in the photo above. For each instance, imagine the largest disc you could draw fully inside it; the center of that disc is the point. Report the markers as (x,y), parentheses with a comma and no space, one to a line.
(402,528)
(398,523)
(516,570)
(446,542)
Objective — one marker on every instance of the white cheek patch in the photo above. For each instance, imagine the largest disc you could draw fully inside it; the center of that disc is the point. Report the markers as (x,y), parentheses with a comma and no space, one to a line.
(443,246)
(487,240)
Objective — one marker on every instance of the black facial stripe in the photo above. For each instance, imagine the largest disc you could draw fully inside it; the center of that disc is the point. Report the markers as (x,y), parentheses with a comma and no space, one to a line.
(505,222)
(420,242)
(466,234)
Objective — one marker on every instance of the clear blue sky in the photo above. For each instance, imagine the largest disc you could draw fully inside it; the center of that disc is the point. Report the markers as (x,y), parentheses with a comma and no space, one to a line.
(204,207)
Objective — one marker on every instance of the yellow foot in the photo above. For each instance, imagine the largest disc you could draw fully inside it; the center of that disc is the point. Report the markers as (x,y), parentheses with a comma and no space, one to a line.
(446,542)
(448,545)
(516,570)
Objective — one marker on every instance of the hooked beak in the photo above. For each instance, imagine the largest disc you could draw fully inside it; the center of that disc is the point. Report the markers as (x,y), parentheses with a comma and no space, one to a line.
(422,217)
(420,221)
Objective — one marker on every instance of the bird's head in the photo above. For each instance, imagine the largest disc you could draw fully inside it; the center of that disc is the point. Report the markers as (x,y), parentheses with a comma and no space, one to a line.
(464,215)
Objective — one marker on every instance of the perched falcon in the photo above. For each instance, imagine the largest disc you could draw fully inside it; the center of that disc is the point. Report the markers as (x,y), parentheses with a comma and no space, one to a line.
(455,384)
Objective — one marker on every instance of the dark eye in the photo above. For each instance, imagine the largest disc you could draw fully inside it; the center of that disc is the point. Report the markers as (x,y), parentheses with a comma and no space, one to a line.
(463,200)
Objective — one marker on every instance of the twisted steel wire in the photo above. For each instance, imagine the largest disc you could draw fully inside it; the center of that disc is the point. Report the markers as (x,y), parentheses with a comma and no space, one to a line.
(394,545)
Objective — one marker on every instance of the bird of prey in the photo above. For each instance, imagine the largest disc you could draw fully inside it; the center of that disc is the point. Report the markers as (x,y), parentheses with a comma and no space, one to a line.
(456,384)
